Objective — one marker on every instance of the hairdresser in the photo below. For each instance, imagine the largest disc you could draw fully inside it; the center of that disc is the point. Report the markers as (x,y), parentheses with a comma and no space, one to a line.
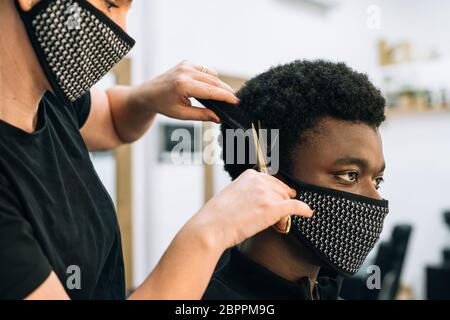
(55,216)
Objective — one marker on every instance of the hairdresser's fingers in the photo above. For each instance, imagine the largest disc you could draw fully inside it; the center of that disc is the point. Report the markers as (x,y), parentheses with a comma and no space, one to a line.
(282,188)
(294,208)
(212,80)
(195,114)
(276,189)
(204,69)
(201,90)
(270,186)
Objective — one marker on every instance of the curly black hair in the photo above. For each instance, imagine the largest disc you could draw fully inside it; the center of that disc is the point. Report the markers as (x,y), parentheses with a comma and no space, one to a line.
(295,96)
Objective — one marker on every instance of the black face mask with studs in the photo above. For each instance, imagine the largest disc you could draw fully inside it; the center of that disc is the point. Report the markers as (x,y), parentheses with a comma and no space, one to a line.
(345,226)
(76,44)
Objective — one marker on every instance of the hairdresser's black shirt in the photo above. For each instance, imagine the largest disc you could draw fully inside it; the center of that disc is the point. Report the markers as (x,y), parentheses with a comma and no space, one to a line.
(55,214)
(239,278)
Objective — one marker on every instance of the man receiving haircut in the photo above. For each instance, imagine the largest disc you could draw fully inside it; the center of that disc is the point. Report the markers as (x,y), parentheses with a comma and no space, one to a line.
(328,117)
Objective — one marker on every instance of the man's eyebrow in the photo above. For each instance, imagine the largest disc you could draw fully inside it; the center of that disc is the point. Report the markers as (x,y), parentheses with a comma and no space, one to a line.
(362,163)
(127,2)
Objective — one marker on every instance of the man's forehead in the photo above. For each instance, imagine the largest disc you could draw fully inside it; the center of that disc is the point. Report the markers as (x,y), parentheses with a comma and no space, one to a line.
(330,129)
(333,140)
(330,123)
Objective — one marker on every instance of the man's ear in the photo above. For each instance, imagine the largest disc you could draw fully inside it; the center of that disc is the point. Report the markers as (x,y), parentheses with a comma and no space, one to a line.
(26,5)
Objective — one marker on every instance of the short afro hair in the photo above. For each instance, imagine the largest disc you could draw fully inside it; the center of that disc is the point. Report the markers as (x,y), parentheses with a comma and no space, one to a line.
(294,97)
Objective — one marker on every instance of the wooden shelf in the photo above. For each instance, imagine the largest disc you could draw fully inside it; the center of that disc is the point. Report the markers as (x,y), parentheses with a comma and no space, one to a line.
(401,111)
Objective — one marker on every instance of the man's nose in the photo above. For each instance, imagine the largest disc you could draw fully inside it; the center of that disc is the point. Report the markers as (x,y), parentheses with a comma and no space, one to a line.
(123,24)
(369,190)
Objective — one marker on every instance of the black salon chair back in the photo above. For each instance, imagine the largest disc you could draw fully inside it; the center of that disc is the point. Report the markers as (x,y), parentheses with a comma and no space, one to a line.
(438,277)
(446,253)
(438,283)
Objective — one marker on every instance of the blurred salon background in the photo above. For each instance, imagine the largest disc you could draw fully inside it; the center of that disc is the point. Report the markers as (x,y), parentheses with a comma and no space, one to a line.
(401,44)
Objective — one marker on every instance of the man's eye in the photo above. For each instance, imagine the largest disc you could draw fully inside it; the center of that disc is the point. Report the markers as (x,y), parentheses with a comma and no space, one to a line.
(349,177)
(378,182)
(111,4)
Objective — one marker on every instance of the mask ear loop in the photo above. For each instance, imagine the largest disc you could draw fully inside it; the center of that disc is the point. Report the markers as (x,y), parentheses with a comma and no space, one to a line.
(261,166)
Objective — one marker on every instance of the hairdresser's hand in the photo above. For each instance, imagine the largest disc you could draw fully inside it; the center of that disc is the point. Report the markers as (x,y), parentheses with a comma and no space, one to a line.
(251,204)
(169,93)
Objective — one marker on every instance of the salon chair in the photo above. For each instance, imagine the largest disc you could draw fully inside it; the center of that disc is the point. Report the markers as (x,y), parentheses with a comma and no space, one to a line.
(389,258)
(447,257)
(438,277)
(447,250)
(438,283)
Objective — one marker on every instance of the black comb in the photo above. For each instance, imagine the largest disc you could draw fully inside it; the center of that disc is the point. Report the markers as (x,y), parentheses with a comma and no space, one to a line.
(231,115)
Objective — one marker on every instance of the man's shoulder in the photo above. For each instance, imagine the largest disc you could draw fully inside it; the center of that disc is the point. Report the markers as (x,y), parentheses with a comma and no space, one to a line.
(4,181)
(218,289)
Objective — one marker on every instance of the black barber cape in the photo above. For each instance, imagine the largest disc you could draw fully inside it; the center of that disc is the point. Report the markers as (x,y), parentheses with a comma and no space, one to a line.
(239,278)
(55,214)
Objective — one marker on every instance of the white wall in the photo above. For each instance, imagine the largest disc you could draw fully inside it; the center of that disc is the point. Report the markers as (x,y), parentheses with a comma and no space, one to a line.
(417,152)
(243,38)
(246,37)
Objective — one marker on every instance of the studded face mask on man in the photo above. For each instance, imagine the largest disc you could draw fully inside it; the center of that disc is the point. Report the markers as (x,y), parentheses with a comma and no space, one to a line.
(76,44)
(345,226)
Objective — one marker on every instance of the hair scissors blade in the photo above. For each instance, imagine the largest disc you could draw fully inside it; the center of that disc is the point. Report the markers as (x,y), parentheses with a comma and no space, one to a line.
(259,149)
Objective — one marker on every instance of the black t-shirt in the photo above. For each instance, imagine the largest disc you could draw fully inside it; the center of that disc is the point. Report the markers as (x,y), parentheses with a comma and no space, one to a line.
(238,277)
(55,214)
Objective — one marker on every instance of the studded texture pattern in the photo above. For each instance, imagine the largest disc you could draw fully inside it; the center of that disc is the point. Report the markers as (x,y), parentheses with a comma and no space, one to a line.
(79,47)
(343,231)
